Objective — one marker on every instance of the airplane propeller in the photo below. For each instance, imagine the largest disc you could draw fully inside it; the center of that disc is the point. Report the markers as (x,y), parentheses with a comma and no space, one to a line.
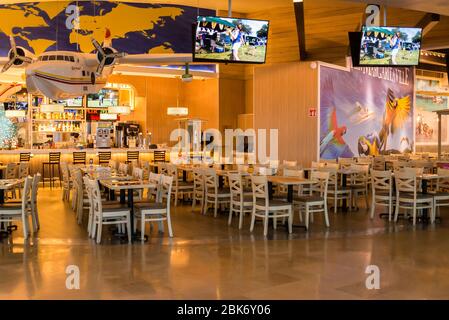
(17,56)
(106,56)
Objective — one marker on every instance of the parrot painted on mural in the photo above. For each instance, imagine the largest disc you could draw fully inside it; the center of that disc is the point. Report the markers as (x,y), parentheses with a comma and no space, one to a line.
(335,135)
(397,111)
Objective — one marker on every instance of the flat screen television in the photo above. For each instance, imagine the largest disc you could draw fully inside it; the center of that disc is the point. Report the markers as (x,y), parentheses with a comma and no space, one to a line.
(390,46)
(73,102)
(103,99)
(230,40)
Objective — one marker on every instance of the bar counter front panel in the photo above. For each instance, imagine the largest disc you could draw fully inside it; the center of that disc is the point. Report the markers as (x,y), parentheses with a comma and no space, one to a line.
(41,155)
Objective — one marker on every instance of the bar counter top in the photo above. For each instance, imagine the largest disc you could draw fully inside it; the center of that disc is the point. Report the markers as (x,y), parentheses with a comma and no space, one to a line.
(87,150)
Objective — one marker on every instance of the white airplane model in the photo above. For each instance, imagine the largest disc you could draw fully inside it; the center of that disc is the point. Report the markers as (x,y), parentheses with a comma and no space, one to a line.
(64,74)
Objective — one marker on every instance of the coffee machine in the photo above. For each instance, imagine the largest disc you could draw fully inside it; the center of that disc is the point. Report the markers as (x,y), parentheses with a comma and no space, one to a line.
(104,135)
(126,135)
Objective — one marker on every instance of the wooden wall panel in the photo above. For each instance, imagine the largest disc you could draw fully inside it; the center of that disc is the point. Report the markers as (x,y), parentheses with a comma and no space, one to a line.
(232,102)
(283,93)
(154,95)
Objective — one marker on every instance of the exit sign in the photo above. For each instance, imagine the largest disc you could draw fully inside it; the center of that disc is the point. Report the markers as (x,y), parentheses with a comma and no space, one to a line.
(312,112)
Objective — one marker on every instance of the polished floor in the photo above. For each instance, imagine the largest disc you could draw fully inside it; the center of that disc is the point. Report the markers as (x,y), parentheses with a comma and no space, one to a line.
(209,260)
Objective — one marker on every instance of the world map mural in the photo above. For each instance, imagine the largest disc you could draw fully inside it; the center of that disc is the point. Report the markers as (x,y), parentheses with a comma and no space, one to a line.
(134,28)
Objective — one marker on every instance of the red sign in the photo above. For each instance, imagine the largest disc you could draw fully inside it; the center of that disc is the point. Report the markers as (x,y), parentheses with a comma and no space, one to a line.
(312,112)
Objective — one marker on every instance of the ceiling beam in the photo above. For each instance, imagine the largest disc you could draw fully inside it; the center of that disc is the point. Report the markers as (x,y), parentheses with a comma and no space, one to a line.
(427,22)
(300,28)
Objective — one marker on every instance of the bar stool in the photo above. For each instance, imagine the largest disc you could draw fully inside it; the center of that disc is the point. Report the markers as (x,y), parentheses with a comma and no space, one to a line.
(159,156)
(54,160)
(132,156)
(25,157)
(104,157)
(79,158)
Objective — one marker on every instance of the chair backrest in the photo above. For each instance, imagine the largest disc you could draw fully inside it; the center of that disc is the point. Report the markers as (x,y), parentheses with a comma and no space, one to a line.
(35,187)
(112,164)
(104,157)
(365,160)
(331,165)
(405,181)
(260,189)
(65,172)
(293,173)
(79,158)
(317,165)
(210,180)
(11,171)
(159,156)
(26,194)
(171,170)
(123,168)
(145,166)
(198,179)
(54,157)
(163,168)
(24,170)
(361,177)
(288,163)
(165,190)
(381,180)
(95,193)
(132,155)
(236,186)
(138,174)
(397,165)
(443,183)
(88,187)
(322,183)
(25,157)
(103,172)
(379,163)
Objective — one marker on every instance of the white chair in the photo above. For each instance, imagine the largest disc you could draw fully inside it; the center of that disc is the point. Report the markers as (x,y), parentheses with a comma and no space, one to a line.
(19,212)
(66,182)
(241,202)
(441,194)
(408,197)
(336,192)
(158,211)
(113,165)
(345,163)
(213,194)
(123,168)
(265,208)
(359,183)
(316,202)
(116,215)
(155,179)
(198,188)
(382,192)
(180,188)
(11,173)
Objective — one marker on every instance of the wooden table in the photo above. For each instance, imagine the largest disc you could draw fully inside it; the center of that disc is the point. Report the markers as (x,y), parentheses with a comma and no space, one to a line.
(8,184)
(122,186)
(290,182)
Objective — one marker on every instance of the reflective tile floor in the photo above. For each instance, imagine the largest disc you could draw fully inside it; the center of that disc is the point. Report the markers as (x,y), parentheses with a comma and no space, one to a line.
(209,260)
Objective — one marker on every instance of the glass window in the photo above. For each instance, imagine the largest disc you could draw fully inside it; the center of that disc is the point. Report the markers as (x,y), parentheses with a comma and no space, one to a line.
(66,58)
(72,59)
(51,58)
(60,58)
(45,58)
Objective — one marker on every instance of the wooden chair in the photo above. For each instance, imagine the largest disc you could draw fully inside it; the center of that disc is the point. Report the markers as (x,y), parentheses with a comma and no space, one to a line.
(441,193)
(79,158)
(108,215)
(408,197)
(53,163)
(25,157)
(132,156)
(66,182)
(265,208)
(241,203)
(337,192)
(316,201)
(19,212)
(158,211)
(104,157)
(359,183)
(213,194)
(382,192)
(159,156)
(180,188)
(198,188)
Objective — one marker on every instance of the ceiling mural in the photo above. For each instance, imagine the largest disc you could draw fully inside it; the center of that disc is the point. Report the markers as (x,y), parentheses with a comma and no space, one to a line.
(134,28)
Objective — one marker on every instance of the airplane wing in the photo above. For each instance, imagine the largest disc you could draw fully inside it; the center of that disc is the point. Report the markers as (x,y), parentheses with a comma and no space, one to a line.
(146,59)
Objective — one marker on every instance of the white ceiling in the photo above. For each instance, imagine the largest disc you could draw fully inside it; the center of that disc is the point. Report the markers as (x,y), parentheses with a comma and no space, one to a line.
(433,6)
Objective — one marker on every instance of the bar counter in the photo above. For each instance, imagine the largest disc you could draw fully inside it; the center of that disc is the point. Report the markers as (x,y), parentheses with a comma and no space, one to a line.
(41,155)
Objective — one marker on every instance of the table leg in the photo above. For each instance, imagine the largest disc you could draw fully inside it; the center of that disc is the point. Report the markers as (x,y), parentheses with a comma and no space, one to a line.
(425,217)
(345,184)
(290,193)
(184,175)
(122,196)
(2,196)
(220,182)
(270,190)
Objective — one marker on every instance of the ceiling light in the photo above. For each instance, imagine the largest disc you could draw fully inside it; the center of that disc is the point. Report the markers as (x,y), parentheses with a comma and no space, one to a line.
(119,110)
(177,111)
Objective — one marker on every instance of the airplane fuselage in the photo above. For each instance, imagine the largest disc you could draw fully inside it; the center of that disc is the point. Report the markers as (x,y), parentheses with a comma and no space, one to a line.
(63,74)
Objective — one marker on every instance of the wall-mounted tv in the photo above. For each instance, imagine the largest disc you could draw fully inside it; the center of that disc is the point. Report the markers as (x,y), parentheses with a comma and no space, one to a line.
(73,102)
(230,40)
(390,46)
(103,99)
